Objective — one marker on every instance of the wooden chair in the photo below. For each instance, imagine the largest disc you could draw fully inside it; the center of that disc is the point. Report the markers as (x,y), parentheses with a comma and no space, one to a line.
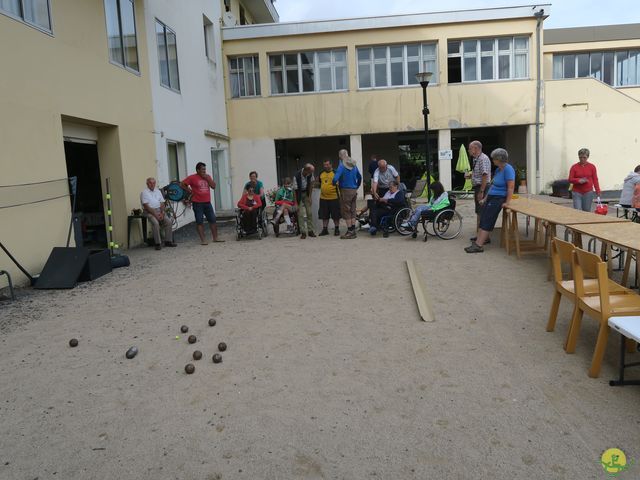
(562,254)
(600,307)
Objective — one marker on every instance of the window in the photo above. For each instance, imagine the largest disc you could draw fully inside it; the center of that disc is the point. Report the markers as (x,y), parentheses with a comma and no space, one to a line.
(618,69)
(243,16)
(167,56)
(395,65)
(209,39)
(33,12)
(321,71)
(487,59)
(244,73)
(121,33)
(176,160)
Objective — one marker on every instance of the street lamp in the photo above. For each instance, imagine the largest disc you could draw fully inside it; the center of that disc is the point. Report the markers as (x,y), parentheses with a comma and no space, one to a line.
(423,78)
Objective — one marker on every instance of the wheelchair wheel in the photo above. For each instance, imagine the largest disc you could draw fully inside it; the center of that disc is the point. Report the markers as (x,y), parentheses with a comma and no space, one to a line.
(447,224)
(402,216)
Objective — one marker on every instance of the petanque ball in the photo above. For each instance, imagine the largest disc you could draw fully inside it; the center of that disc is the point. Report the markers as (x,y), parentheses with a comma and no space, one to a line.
(189,368)
(73,342)
(184,329)
(197,355)
(217,358)
(132,352)
(222,346)
(212,322)
(192,339)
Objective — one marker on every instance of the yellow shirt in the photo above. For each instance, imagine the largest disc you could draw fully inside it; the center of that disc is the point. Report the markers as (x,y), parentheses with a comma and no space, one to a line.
(328,190)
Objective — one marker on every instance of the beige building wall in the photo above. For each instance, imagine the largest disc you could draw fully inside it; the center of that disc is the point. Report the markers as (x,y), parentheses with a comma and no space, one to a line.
(397,109)
(587,113)
(67,75)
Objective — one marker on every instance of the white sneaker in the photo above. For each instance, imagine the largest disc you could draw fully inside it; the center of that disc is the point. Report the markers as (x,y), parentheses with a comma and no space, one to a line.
(406,225)
(364,226)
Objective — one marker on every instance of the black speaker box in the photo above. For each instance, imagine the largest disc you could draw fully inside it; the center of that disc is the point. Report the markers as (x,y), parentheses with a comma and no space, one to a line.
(63,268)
(97,265)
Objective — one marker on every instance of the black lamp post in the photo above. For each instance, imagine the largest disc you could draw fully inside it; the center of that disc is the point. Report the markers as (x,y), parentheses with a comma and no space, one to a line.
(423,78)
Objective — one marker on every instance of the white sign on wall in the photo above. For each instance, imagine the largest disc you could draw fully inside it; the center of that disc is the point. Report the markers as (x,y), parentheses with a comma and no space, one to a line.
(445,154)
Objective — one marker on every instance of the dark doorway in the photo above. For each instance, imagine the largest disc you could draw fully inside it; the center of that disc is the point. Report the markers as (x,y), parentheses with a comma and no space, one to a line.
(412,154)
(82,162)
(293,153)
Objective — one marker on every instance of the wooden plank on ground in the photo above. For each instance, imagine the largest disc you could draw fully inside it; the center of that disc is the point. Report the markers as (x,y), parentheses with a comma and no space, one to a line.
(425,306)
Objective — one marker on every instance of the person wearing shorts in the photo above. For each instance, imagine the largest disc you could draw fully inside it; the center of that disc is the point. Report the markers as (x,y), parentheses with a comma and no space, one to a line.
(199,185)
(349,179)
(500,193)
(329,202)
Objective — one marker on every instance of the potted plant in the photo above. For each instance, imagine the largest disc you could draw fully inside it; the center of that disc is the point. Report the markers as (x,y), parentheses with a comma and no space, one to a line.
(560,188)
(521,178)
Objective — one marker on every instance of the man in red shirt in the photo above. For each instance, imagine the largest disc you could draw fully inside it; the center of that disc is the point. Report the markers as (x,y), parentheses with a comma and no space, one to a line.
(199,184)
(584,178)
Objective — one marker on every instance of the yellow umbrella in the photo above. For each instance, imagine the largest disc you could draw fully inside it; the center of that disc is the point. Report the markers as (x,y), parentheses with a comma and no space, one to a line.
(463,167)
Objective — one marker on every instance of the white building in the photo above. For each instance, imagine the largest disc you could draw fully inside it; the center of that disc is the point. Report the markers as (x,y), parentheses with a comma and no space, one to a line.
(187,85)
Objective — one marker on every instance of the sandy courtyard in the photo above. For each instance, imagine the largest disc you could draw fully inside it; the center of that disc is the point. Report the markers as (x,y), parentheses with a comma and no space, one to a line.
(329,372)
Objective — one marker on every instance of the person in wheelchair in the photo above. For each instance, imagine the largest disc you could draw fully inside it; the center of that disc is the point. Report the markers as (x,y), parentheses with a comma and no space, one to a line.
(439,200)
(285,206)
(249,206)
(386,206)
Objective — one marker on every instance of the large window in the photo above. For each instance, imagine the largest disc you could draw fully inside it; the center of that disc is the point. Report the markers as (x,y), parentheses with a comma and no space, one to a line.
(618,69)
(167,56)
(121,33)
(321,71)
(395,65)
(176,160)
(33,12)
(209,39)
(503,58)
(244,73)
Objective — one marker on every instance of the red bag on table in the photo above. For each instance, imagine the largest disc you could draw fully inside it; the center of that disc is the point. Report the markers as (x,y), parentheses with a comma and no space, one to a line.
(602,208)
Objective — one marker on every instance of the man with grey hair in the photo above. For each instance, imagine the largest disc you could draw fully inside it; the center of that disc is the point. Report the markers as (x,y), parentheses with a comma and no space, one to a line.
(584,178)
(480,176)
(303,186)
(152,203)
(382,178)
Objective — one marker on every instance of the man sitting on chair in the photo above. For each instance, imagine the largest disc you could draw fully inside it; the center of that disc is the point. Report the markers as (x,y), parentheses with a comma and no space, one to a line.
(153,205)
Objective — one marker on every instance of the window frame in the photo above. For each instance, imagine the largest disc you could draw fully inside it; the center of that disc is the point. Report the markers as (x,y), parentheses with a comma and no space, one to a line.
(22,19)
(315,67)
(209,40)
(166,32)
(135,26)
(389,60)
(181,159)
(257,84)
(560,58)
(495,53)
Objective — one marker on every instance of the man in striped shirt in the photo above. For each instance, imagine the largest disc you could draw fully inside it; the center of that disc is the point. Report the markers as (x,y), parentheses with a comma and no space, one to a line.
(480,175)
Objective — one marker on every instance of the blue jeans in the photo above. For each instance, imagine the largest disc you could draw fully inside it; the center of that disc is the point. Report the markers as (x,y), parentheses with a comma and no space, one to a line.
(417,213)
(583,201)
(203,209)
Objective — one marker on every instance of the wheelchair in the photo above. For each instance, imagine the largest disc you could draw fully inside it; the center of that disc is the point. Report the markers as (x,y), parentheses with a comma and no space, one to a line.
(276,226)
(445,223)
(257,229)
(387,222)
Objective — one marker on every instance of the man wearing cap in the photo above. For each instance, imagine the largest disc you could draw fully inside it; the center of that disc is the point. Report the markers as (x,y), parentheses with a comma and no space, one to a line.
(153,206)
(349,179)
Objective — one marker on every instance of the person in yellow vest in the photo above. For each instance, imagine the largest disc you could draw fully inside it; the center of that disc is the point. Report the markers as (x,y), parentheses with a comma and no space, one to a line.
(329,202)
